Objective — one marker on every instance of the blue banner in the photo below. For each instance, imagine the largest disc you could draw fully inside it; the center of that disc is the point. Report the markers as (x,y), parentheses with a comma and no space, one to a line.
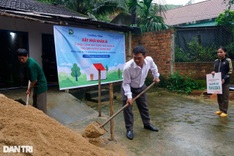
(82,53)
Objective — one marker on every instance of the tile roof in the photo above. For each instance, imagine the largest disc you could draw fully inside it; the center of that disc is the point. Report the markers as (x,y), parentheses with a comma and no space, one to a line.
(205,10)
(55,14)
(36,6)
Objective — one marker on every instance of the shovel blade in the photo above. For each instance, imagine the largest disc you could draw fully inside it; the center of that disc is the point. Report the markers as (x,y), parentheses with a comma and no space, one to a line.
(94,130)
(21,101)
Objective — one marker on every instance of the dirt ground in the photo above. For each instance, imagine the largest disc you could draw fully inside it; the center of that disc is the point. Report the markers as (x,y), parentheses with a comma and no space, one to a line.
(188,126)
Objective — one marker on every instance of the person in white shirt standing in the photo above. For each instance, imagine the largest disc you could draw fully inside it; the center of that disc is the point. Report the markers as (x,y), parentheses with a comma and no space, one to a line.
(135,72)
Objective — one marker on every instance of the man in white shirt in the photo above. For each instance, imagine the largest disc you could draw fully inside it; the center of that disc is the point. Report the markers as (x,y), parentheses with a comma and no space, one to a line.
(134,74)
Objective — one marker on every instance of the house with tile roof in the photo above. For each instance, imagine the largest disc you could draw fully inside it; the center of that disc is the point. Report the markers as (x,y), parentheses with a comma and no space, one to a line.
(29,24)
(198,21)
(195,15)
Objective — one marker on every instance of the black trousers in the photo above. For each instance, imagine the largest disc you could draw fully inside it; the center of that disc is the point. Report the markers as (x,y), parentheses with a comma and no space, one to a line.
(223,98)
(142,104)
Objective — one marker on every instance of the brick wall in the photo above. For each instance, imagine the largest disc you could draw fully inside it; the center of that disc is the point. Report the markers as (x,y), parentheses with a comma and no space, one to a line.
(194,70)
(158,46)
(197,70)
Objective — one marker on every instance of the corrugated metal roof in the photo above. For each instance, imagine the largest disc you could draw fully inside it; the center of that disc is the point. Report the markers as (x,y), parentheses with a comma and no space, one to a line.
(205,24)
(206,10)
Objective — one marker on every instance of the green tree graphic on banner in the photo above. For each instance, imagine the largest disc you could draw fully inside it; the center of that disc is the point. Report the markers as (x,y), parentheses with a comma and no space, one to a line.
(75,71)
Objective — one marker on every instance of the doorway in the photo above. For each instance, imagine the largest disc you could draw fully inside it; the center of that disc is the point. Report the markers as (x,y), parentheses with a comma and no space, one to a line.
(11,73)
(49,59)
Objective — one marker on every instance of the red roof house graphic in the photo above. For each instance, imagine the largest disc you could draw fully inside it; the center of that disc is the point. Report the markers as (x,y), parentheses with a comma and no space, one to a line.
(92,73)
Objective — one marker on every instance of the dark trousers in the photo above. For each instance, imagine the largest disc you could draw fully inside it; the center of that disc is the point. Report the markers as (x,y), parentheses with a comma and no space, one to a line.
(223,98)
(40,101)
(142,104)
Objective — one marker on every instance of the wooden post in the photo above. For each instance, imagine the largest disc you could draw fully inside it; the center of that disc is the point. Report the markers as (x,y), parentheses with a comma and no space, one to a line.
(111,110)
(99,93)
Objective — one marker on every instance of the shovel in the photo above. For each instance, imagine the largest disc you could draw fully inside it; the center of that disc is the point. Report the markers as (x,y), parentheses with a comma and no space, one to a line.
(96,129)
(21,101)
(27,98)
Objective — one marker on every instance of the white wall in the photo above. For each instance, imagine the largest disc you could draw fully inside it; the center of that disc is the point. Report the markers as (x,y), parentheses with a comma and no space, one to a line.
(34,30)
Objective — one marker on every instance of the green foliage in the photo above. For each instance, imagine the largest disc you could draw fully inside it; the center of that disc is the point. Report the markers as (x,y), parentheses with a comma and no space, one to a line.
(179,84)
(230,50)
(104,8)
(163,82)
(226,18)
(195,52)
(148,80)
(95,9)
(143,12)
(201,84)
(148,21)
(181,55)
(153,23)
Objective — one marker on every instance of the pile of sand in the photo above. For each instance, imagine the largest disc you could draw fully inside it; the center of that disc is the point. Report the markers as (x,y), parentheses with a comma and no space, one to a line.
(24,125)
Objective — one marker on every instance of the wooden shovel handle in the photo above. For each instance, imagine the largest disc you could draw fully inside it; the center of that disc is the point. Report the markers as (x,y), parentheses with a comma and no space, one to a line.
(126,105)
(27,98)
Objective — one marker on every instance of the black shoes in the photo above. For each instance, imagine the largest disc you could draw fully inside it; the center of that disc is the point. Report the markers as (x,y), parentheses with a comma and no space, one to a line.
(129,135)
(151,127)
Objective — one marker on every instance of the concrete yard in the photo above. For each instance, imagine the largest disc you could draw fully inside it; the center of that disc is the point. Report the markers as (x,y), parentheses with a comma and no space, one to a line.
(188,125)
